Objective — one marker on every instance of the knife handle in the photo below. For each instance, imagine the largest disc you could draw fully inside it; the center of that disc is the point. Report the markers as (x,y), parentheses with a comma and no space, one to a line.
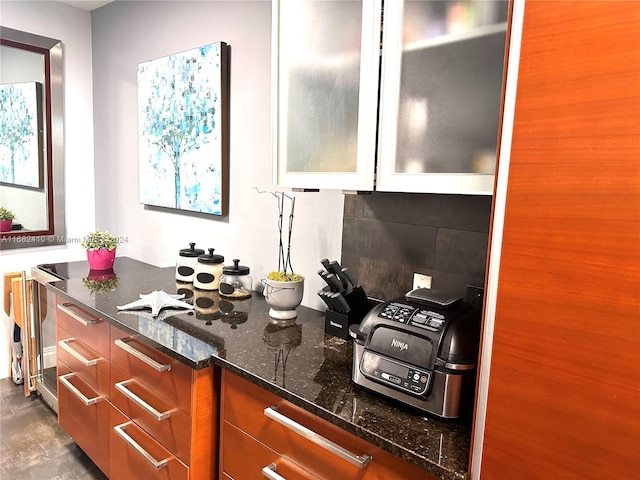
(335,268)
(347,274)
(334,282)
(325,264)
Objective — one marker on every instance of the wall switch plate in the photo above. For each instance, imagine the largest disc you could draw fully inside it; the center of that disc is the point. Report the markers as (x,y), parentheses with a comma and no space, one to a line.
(421,281)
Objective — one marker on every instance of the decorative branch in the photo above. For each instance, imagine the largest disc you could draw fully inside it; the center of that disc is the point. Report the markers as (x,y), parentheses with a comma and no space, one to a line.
(284,257)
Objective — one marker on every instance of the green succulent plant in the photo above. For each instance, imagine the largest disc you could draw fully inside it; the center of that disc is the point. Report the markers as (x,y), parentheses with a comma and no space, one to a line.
(6,214)
(100,241)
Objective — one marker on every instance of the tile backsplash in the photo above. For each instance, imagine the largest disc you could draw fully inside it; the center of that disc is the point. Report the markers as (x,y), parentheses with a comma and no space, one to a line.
(389,236)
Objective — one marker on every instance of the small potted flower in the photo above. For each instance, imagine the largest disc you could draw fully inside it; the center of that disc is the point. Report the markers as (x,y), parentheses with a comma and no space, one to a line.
(6,219)
(283,288)
(101,250)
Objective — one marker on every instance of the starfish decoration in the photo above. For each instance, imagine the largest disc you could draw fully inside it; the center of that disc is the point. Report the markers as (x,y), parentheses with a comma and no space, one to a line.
(157,300)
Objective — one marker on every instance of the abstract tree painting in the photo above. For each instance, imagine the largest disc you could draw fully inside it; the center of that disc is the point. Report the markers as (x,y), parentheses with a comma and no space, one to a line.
(21,151)
(182,116)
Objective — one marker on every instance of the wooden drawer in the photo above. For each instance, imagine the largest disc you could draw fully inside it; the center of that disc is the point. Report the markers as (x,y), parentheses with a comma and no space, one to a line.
(85,362)
(83,326)
(158,417)
(244,406)
(134,454)
(169,378)
(84,414)
(243,457)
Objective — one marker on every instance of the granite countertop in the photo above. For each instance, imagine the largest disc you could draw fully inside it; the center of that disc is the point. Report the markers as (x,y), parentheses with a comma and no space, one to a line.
(299,362)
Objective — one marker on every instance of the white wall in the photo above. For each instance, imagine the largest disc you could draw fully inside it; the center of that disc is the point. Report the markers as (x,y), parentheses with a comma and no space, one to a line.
(128,33)
(73,27)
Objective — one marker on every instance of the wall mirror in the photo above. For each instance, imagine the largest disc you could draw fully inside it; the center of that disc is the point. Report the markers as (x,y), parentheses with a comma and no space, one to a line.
(32,180)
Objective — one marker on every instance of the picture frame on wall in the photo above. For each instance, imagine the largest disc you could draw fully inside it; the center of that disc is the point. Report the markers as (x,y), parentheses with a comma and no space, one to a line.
(183,103)
(21,135)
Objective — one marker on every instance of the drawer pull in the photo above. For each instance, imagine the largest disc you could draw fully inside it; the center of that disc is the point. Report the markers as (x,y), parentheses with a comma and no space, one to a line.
(122,343)
(64,307)
(270,472)
(359,461)
(157,464)
(122,388)
(64,344)
(64,379)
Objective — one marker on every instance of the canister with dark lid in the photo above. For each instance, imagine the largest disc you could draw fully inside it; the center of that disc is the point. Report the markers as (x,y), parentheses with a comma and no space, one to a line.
(236,283)
(208,271)
(187,261)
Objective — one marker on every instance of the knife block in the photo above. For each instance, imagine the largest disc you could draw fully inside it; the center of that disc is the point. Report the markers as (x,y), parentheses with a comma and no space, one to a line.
(337,323)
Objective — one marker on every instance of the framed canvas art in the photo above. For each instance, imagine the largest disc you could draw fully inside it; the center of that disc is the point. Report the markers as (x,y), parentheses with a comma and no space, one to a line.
(21,135)
(183,130)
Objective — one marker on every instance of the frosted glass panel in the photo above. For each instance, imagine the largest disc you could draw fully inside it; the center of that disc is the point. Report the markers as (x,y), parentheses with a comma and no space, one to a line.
(450,86)
(318,85)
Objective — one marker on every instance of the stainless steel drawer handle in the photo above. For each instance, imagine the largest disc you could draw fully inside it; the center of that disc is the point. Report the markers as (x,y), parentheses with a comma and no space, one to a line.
(157,464)
(64,307)
(160,367)
(122,388)
(64,344)
(270,472)
(359,461)
(64,379)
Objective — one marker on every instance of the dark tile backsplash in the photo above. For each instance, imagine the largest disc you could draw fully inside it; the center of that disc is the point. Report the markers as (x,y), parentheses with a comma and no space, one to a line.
(389,236)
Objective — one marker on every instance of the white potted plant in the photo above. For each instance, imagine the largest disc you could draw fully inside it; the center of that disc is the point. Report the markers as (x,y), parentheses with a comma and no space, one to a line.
(101,249)
(6,219)
(283,288)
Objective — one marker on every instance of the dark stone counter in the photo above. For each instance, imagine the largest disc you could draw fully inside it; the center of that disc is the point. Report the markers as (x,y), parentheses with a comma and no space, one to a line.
(299,363)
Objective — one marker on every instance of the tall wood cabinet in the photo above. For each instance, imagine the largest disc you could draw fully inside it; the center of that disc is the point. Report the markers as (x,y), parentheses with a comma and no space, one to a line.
(563,397)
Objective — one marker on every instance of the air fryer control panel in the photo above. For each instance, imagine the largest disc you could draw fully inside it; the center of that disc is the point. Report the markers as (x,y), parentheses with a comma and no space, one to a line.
(415,316)
(396,374)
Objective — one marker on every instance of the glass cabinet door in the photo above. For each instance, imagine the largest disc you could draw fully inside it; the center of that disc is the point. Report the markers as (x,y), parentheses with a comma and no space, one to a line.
(441,87)
(325,56)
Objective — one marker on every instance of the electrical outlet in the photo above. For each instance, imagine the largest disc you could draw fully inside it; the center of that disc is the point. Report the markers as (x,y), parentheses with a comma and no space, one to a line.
(421,281)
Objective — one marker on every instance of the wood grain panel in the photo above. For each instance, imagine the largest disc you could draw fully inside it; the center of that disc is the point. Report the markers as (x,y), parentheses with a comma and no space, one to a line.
(564,388)
(88,425)
(173,384)
(173,433)
(128,464)
(205,412)
(246,457)
(243,407)
(95,335)
(96,375)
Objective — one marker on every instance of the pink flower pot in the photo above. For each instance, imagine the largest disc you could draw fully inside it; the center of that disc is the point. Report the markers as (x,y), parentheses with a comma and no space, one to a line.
(101,259)
(5,225)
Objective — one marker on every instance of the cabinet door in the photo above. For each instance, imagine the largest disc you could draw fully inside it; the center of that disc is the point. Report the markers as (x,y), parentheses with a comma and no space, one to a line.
(440,100)
(84,414)
(325,86)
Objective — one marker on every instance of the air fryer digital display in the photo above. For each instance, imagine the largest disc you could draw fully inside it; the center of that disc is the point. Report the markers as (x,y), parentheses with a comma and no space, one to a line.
(395,374)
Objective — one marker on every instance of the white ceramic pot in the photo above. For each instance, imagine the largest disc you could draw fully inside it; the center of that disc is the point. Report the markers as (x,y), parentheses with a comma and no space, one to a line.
(283,298)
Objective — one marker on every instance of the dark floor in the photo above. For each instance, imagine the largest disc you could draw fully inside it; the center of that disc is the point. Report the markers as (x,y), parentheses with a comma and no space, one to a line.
(32,444)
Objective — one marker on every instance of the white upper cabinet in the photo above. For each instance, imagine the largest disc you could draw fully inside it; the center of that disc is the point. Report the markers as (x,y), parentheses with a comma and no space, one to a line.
(326,57)
(440,95)
(418,114)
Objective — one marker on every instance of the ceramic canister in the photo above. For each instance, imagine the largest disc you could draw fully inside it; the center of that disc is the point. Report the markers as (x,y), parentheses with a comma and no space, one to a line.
(187,261)
(208,271)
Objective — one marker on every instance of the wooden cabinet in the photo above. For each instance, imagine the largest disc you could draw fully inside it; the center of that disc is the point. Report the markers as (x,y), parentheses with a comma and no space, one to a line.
(418,112)
(291,439)
(83,371)
(168,405)
(135,411)
(563,385)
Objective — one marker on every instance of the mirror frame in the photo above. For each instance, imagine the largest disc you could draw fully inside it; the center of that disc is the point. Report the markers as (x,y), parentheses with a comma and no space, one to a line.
(51,49)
